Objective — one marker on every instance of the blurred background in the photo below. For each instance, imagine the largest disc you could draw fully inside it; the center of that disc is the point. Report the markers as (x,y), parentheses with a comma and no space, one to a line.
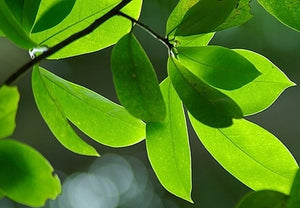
(123,178)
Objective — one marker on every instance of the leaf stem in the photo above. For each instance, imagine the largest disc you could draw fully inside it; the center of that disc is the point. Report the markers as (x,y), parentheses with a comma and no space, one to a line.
(163,40)
(114,11)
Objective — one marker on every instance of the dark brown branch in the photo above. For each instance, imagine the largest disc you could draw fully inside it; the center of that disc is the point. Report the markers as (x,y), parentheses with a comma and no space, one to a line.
(114,11)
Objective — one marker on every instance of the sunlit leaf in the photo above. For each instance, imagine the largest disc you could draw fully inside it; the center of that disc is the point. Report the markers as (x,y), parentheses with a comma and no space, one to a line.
(55,117)
(263,199)
(205,103)
(168,146)
(194,40)
(264,90)
(9,99)
(25,175)
(218,66)
(251,154)
(286,11)
(135,80)
(294,198)
(96,116)
(84,13)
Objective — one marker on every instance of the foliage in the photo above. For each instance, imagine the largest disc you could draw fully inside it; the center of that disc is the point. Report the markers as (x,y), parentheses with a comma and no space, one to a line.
(216,85)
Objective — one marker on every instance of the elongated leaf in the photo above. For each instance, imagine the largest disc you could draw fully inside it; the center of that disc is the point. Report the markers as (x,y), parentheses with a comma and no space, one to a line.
(218,66)
(55,117)
(205,103)
(193,41)
(84,13)
(25,175)
(286,11)
(294,199)
(12,28)
(99,118)
(9,99)
(263,199)
(205,16)
(264,90)
(135,80)
(168,146)
(251,154)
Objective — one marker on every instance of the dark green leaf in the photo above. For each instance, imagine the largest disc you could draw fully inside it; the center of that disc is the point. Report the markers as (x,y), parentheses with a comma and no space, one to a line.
(205,16)
(96,116)
(194,40)
(294,199)
(25,175)
(218,66)
(250,153)
(9,99)
(168,146)
(286,11)
(205,103)
(263,199)
(135,80)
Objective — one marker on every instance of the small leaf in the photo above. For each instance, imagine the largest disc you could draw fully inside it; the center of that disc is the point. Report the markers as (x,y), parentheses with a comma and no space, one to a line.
(205,16)
(96,116)
(9,99)
(55,117)
(294,199)
(25,175)
(250,153)
(286,11)
(194,40)
(263,199)
(168,146)
(205,103)
(218,66)
(264,90)
(135,81)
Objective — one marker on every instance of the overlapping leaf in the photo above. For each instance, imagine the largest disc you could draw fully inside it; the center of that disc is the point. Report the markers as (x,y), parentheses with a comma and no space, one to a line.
(168,146)
(251,154)
(204,102)
(25,175)
(294,199)
(135,80)
(194,40)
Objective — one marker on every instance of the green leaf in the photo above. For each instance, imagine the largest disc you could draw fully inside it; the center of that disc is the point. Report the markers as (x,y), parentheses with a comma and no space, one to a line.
(135,81)
(9,99)
(294,199)
(96,116)
(12,29)
(1,34)
(218,66)
(55,117)
(205,103)
(194,40)
(250,153)
(82,15)
(25,175)
(286,11)
(168,146)
(263,199)
(52,13)
(264,90)
(205,16)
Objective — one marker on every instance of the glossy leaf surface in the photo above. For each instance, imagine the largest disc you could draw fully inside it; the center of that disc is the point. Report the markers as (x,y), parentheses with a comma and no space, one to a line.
(251,154)
(294,199)
(96,116)
(56,118)
(205,103)
(168,146)
(194,40)
(264,90)
(9,99)
(25,175)
(83,13)
(218,66)
(286,11)
(135,80)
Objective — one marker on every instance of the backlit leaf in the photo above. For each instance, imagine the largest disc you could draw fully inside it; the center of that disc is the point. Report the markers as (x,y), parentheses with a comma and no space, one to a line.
(250,153)
(25,175)
(9,99)
(205,103)
(135,80)
(294,199)
(286,11)
(218,66)
(168,146)
(194,40)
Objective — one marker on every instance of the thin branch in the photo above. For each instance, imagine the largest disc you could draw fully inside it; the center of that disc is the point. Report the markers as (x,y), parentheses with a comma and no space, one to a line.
(114,11)
(165,41)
